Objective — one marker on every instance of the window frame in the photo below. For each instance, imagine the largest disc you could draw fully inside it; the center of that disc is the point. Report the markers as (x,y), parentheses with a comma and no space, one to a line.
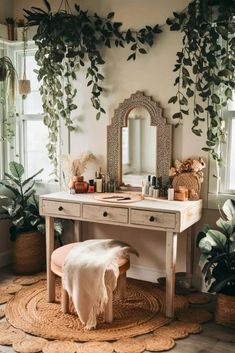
(219,191)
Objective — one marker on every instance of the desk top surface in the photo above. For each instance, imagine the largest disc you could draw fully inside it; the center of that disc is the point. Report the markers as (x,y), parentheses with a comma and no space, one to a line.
(154,204)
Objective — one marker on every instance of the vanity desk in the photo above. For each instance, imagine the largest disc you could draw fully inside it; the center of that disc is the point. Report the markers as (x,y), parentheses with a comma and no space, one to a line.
(171,217)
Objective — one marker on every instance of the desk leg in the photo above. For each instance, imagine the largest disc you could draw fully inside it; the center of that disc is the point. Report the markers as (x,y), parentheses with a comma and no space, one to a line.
(77,230)
(190,250)
(50,244)
(171,251)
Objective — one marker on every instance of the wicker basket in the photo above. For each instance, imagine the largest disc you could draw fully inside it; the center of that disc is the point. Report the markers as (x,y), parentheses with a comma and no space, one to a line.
(225,310)
(189,180)
(29,253)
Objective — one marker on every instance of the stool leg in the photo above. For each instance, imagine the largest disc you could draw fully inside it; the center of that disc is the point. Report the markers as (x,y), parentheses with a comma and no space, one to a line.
(108,312)
(121,286)
(64,301)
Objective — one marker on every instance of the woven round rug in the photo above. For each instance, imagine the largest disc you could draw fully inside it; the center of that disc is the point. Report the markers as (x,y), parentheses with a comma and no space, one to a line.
(138,314)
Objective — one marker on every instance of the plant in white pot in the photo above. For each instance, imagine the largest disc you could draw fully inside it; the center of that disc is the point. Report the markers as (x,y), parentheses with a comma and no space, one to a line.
(28,241)
(217,262)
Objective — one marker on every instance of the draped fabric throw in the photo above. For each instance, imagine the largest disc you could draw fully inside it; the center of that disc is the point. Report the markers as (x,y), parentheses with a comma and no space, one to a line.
(84,276)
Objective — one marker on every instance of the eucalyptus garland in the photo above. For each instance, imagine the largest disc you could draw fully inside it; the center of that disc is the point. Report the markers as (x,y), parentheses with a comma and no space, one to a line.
(67,42)
(205,67)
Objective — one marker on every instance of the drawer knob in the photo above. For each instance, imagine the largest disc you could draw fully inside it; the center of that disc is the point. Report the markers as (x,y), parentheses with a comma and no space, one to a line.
(151,219)
(105,214)
(60,208)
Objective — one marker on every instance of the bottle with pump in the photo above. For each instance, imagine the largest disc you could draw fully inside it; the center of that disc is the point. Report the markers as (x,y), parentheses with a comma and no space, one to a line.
(98,180)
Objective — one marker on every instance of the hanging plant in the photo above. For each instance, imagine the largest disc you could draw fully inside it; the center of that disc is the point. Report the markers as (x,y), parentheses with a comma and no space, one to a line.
(67,42)
(205,67)
(24,84)
(8,78)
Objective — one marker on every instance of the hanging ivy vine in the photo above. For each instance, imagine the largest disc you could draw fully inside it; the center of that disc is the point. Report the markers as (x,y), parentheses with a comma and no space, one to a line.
(205,67)
(67,42)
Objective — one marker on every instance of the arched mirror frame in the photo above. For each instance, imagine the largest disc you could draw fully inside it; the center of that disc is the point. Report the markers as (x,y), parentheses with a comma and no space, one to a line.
(114,135)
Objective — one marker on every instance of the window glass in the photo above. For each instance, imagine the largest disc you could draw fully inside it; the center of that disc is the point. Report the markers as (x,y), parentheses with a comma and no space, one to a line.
(33,102)
(231,159)
(36,138)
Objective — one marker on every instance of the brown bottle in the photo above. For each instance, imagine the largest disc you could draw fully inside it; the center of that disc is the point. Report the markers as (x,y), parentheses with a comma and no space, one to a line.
(80,185)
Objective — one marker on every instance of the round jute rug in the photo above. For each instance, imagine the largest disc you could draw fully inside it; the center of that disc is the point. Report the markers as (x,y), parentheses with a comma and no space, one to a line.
(138,314)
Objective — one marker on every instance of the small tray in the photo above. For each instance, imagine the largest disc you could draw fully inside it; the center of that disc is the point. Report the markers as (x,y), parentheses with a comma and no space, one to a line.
(120,197)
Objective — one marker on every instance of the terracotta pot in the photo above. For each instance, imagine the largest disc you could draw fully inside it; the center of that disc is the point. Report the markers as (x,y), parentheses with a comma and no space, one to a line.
(29,253)
(225,310)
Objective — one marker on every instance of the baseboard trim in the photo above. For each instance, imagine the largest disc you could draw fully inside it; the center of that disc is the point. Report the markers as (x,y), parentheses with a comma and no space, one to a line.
(145,273)
(5,258)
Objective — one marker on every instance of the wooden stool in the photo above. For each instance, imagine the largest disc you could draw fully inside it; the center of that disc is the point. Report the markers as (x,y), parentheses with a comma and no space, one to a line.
(57,262)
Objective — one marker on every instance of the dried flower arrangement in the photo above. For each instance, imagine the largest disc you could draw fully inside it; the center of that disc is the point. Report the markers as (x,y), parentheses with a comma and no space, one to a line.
(193,166)
(77,166)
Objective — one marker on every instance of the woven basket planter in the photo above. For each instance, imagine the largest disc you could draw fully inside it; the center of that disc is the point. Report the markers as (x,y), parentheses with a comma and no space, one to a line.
(225,310)
(189,180)
(29,253)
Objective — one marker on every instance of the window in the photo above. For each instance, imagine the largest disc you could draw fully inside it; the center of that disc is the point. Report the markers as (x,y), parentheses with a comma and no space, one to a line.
(226,185)
(231,156)
(33,133)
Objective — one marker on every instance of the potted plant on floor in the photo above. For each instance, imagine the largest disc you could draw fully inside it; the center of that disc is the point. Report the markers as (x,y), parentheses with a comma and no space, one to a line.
(28,241)
(217,262)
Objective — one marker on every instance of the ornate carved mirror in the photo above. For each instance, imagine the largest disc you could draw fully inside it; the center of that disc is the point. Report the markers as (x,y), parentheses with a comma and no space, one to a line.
(138,141)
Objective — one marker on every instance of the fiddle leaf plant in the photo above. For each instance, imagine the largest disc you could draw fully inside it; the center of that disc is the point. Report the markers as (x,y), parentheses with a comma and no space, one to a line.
(22,208)
(67,42)
(217,246)
(205,67)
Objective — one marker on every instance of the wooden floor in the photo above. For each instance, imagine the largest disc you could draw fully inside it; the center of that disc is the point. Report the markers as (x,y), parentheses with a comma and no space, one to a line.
(213,339)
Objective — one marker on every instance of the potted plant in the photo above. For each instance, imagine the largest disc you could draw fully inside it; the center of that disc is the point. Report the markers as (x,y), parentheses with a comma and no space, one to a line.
(7,69)
(29,242)
(217,262)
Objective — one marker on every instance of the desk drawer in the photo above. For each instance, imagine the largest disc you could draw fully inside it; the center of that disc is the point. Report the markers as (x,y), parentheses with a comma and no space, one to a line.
(105,213)
(60,209)
(152,218)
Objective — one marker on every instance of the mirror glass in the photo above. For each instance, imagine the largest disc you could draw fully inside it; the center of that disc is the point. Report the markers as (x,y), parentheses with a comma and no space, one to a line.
(138,147)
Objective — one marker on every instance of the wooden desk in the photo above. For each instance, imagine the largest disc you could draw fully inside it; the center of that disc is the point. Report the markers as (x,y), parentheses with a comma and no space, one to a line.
(172,217)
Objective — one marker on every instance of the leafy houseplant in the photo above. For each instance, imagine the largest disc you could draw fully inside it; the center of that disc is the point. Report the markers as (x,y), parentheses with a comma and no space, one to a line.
(205,67)
(29,242)
(217,260)
(7,94)
(22,209)
(67,42)
(218,252)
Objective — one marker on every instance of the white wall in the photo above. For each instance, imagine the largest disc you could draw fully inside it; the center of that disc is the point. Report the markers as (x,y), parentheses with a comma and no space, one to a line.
(150,73)
(6,9)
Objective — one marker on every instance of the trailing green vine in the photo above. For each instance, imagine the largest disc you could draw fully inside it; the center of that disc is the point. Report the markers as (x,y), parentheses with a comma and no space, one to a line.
(67,42)
(205,67)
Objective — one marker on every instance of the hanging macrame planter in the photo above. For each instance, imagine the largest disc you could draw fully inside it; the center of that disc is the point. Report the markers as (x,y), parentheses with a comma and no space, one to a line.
(24,84)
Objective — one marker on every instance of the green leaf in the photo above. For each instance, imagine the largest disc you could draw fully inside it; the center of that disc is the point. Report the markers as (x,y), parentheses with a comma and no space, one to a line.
(173,100)
(25,182)
(142,51)
(110,15)
(229,208)
(217,286)
(12,178)
(11,188)
(177,116)
(228,93)
(47,5)
(189,92)
(226,226)
(16,169)
(205,246)
(215,99)
(216,238)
